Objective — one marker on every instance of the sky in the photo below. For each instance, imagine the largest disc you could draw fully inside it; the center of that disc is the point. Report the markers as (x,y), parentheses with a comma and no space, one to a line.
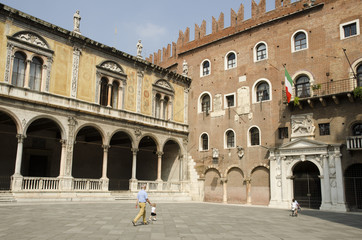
(121,23)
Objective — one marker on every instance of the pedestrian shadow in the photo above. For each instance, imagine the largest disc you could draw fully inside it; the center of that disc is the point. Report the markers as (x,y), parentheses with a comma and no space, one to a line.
(351,219)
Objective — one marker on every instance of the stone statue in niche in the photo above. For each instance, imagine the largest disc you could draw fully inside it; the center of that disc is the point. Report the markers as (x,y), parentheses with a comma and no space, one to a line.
(76,22)
(139,49)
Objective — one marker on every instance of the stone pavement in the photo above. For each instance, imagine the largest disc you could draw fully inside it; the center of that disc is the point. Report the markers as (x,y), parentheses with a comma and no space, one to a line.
(112,220)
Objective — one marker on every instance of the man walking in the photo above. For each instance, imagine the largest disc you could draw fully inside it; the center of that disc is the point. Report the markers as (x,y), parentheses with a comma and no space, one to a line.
(142,198)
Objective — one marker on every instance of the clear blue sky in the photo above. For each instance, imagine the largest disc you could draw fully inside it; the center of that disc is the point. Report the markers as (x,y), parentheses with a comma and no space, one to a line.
(155,22)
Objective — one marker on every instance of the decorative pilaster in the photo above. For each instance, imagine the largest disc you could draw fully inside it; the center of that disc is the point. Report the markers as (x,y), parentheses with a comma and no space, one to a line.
(9,60)
(76,56)
(48,70)
(140,75)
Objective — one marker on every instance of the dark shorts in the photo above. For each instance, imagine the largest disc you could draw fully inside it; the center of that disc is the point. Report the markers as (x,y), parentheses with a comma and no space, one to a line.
(153,214)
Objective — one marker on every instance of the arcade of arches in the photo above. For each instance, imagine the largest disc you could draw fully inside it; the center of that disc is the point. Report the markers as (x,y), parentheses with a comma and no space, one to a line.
(39,149)
(236,187)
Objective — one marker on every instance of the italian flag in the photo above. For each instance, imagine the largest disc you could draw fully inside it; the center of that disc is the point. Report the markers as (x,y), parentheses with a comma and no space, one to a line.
(288,85)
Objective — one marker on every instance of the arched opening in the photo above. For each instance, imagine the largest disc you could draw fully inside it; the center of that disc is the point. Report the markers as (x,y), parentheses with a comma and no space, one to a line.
(353,187)
(8,149)
(147,160)
(170,168)
(36,66)
(213,186)
(307,185)
(260,190)
(42,149)
(236,188)
(88,154)
(119,169)
(103,96)
(19,65)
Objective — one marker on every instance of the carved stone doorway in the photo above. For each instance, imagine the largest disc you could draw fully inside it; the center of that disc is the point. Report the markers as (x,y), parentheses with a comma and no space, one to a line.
(307,185)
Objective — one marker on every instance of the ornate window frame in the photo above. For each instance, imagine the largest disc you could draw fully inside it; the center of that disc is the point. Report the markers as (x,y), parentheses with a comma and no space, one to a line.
(166,92)
(32,45)
(114,73)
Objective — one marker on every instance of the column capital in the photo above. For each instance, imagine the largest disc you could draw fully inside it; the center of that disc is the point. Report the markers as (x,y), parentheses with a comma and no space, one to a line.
(134,150)
(20,138)
(106,147)
(63,141)
(159,153)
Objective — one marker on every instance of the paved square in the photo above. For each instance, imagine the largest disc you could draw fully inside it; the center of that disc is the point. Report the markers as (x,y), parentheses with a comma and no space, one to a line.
(186,221)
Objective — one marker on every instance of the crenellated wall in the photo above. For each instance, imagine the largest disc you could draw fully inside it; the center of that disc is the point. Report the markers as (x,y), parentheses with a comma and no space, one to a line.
(259,16)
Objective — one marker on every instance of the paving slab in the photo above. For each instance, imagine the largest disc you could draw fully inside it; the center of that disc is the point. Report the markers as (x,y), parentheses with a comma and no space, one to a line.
(175,221)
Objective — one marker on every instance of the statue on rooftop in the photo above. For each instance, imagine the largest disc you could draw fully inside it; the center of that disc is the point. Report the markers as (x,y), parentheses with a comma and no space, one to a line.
(139,49)
(76,22)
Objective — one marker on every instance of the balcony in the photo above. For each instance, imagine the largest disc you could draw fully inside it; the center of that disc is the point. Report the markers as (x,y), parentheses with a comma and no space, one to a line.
(354,143)
(334,90)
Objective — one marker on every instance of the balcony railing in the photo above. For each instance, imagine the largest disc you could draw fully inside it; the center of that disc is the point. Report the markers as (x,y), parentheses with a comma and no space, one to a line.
(162,186)
(334,87)
(40,183)
(354,143)
(87,184)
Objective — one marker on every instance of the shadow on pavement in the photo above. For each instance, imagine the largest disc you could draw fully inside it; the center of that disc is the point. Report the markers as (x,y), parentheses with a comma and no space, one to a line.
(352,219)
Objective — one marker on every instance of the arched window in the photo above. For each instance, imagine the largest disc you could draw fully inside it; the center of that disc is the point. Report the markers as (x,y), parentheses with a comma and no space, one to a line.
(300,41)
(302,87)
(230,139)
(254,136)
(260,52)
(231,60)
(205,103)
(262,92)
(166,102)
(158,105)
(359,76)
(103,101)
(204,142)
(205,68)
(357,129)
(114,101)
(18,76)
(35,73)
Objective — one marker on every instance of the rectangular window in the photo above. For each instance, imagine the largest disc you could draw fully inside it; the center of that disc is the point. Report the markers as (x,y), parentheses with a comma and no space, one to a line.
(324,129)
(349,29)
(283,132)
(229,100)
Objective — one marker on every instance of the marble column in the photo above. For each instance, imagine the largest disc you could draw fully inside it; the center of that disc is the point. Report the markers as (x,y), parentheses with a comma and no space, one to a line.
(27,73)
(17,178)
(159,165)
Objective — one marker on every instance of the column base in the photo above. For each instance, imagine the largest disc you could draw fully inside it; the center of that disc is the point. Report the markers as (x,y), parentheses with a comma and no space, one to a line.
(105,184)
(339,207)
(133,182)
(65,183)
(16,182)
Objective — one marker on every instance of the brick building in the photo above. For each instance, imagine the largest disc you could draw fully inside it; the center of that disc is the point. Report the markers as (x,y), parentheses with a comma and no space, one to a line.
(248,143)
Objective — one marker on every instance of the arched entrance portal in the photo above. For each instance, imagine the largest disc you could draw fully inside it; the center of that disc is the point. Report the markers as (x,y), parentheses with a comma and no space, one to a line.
(353,186)
(260,191)
(88,154)
(119,162)
(307,185)
(213,186)
(236,187)
(42,149)
(147,160)
(8,146)
(170,168)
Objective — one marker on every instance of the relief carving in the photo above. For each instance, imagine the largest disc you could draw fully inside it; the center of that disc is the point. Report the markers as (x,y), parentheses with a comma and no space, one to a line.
(31,38)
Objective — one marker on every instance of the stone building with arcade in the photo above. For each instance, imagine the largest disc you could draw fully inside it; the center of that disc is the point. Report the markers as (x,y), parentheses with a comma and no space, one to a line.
(81,120)
(249,144)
